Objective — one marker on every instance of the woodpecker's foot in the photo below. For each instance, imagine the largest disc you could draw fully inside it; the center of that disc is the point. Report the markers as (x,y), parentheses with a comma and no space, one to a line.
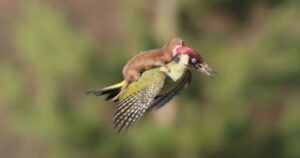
(114,99)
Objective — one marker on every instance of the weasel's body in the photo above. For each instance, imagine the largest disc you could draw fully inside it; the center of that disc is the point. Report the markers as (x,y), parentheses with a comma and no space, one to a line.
(148,59)
(145,60)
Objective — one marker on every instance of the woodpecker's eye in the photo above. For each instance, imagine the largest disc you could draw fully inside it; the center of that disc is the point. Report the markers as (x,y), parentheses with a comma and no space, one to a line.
(194,60)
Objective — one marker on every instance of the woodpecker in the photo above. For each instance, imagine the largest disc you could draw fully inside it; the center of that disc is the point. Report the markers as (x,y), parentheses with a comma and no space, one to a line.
(154,88)
(147,59)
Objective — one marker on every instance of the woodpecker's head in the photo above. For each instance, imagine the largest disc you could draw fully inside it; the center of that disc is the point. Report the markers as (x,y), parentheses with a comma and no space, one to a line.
(195,61)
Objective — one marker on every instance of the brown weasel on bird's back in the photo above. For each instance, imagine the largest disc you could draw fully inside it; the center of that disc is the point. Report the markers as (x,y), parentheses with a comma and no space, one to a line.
(147,59)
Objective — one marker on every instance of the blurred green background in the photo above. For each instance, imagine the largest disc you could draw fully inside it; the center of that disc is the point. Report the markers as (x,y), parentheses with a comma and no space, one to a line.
(52,51)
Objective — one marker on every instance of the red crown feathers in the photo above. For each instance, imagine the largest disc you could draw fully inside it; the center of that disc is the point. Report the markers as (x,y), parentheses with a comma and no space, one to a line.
(189,51)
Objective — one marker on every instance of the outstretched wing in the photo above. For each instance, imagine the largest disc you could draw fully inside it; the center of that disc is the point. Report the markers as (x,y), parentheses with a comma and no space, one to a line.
(161,100)
(137,98)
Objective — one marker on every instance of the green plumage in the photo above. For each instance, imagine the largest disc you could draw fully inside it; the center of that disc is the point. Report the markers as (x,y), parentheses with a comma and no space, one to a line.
(148,78)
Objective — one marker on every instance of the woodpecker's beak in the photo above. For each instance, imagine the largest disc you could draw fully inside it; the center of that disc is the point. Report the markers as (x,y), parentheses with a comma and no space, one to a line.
(204,68)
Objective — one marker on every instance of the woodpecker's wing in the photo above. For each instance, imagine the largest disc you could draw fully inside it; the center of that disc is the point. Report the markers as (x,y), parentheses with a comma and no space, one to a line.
(137,98)
(161,100)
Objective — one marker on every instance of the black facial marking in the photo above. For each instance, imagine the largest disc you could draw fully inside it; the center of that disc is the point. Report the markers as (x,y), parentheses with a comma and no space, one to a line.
(177,59)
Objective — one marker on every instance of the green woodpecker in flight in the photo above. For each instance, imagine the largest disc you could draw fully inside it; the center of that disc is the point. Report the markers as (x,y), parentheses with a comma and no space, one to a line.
(154,88)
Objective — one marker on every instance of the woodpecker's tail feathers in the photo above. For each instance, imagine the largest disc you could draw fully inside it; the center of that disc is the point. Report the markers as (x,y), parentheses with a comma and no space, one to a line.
(110,91)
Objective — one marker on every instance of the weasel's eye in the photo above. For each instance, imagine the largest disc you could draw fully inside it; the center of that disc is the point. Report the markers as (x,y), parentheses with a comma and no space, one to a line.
(194,60)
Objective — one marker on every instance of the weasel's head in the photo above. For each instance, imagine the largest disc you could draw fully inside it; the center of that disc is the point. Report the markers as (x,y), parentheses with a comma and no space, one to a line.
(173,45)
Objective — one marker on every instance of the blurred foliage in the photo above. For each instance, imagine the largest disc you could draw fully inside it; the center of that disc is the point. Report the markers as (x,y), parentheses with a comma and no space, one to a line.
(250,110)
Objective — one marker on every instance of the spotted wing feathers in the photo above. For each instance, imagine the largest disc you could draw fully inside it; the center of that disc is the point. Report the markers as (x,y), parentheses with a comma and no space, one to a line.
(132,108)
